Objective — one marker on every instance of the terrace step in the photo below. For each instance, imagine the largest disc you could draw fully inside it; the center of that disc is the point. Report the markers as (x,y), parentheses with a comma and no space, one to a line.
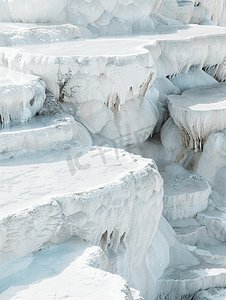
(21,95)
(52,196)
(199,112)
(188,231)
(215,222)
(181,284)
(42,132)
(12,33)
(185,193)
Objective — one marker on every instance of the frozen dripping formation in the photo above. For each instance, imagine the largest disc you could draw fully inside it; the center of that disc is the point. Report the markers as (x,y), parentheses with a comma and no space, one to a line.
(91,81)
(194,49)
(118,88)
(199,112)
(122,207)
(97,66)
(184,283)
(21,95)
(120,211)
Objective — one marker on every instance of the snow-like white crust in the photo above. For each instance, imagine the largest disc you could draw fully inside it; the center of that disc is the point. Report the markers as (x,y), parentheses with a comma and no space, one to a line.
(170,135)
(12,34)
(111,200)
(103,17)
(185,193)
(199,112)
(89,73)
(214,221)
(121,15)
(21,95)
(193,78)
(74,194)
(117,209)
(75,270)
(181,283)
(211,294)
(42,132)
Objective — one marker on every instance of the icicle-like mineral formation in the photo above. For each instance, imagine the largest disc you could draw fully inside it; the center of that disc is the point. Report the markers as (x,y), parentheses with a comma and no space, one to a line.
(199,112)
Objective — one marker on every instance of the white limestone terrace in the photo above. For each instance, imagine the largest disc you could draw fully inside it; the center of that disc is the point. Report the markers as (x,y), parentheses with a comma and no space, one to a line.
(199,112)
(43,132)
(89,72)
(76,193)
(215,221)
(27,33)
(211,294)
(105,196)
(21,95)
(73,270)
(106,17)
(82,73)
(188,231)
(182,283)
(185,193)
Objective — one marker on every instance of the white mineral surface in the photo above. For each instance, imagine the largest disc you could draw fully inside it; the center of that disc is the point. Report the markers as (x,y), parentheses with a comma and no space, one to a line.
(185,193)
(42,132)
(73,270)
(21,95)
(112,121)
(27,33)
(211,294)
(199,112)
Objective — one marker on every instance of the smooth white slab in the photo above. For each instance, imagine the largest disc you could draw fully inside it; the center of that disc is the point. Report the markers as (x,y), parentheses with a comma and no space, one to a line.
(54,174)
(185,193)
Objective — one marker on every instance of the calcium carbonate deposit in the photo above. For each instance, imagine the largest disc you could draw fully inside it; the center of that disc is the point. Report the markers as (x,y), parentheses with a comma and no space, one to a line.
(112,149)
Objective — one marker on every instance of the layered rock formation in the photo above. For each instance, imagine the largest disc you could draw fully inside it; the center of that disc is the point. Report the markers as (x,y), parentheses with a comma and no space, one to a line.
(85,211)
